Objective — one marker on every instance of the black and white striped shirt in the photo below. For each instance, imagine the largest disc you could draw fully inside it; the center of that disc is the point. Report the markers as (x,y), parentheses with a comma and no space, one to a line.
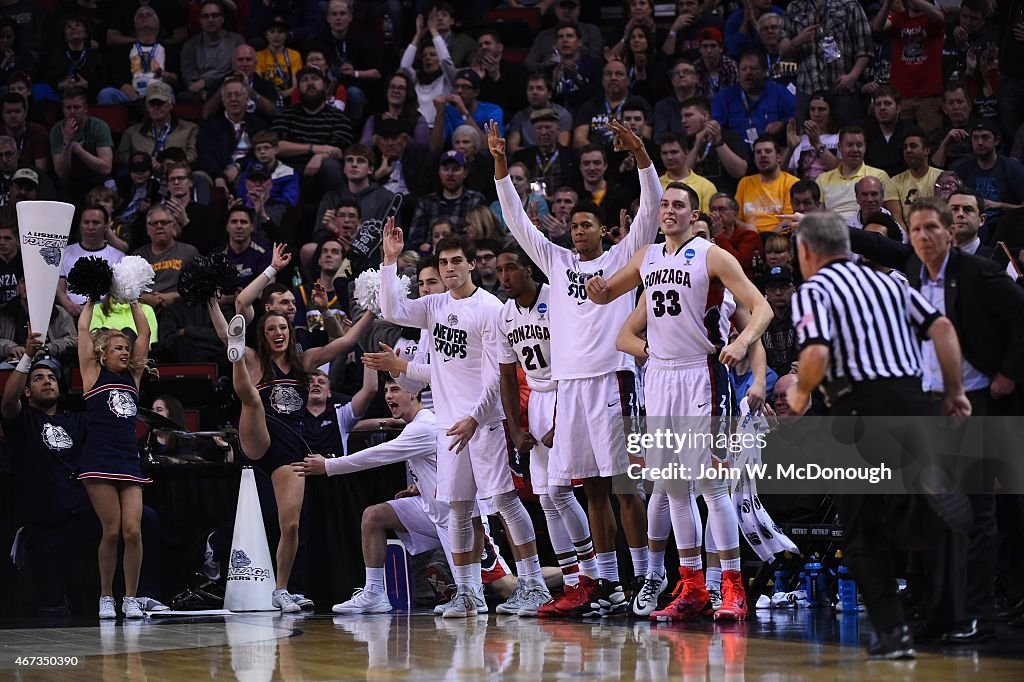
(872,323)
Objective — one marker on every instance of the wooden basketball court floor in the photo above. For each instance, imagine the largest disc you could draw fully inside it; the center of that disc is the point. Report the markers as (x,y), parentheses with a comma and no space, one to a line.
(776,646)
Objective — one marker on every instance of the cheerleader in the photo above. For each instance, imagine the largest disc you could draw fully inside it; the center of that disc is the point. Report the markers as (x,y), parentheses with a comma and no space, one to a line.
(112,366)
(270,381)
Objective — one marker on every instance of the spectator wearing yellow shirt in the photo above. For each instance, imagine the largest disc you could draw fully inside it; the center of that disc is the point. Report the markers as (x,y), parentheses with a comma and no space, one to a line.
(764,196)
(837,185)
(111,315)
(673,150)
(277,63)
(918,181)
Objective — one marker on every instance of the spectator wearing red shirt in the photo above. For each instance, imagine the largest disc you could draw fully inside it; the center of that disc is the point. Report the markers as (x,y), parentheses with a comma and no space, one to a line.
(741,240)
(917,31)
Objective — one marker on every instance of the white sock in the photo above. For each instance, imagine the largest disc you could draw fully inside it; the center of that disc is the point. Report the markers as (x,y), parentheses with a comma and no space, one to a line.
(656,562)
(374,580)
(713,576)
(464,574)
(570,571)
(639,556)
(477,579)
(531,569)
(731,564)
(608,566)
(694,563)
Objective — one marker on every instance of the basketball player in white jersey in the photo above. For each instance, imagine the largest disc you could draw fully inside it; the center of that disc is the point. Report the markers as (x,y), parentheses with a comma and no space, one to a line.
(686,380)
(595,381)
(428,281)
(473,459)
(662,512)
(526,340)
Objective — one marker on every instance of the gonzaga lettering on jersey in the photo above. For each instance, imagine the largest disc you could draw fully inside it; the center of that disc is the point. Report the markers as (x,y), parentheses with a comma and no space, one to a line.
(526,337)
(684,301)
(583,344)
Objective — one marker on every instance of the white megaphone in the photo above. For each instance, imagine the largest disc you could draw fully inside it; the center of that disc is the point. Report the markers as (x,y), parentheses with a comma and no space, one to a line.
(251,581)
(44,228)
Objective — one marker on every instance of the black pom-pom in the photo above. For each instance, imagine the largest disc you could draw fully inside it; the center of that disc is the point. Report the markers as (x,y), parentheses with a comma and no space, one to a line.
(91,277)
(202,277)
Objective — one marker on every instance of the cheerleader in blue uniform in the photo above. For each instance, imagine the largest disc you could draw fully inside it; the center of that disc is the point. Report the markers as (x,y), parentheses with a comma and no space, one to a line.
(271,383)
(111,470)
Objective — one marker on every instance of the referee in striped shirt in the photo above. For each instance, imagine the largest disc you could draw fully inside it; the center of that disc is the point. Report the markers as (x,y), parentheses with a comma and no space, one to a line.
(859,336)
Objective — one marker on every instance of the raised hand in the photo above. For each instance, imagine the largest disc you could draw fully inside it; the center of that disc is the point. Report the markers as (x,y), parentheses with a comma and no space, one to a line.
(495,142)
(320,296)
(394,242)
(281,258)
(625,139)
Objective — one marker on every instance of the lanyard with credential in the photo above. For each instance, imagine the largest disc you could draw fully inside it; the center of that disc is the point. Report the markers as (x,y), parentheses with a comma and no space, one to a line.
(544,168)
(286,76)
(146,60)
(161,140)
(75,64)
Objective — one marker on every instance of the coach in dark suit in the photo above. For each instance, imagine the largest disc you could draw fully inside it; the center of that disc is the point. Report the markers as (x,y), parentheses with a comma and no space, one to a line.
(987,309)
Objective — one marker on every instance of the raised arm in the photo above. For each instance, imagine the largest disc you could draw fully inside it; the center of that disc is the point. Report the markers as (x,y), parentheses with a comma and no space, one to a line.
(395,306)
(10,404)
(364,396)
(533,241)
(314,357)
(250,294)
(87,362)
(140,349)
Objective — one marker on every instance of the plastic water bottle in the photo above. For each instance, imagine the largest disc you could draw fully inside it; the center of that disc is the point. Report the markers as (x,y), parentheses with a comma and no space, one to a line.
(847,591)
(781,578)
(812,575)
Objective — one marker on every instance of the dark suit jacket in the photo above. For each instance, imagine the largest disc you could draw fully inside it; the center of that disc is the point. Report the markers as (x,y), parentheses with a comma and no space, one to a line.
(217,142)
(985,306)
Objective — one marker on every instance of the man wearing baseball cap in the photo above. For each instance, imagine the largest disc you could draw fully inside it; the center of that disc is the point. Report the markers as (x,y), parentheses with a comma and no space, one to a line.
(715,71)
(24,185)
(452,203)
(998,179)
(160,130)
(463,107)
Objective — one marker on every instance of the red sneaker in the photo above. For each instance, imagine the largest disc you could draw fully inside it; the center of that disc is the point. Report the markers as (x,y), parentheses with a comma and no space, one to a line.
(693,600)
(734,597)
(573,601)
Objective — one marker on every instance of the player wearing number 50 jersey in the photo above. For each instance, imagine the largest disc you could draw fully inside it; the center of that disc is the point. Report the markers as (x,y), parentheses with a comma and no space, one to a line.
(595,381)
(684,281)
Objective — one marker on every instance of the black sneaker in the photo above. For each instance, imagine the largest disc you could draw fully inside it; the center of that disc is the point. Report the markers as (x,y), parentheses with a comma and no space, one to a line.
(609,598)
(894,644)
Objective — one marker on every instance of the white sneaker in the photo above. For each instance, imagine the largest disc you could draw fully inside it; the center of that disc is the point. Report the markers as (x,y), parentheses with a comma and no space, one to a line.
(645,602)
(236,339)
(364,601)
(515,600)
(283,600)
(481,602)
(130,608)
(715,594)
(302,600)
(536,596)
(108,608)
(463,605)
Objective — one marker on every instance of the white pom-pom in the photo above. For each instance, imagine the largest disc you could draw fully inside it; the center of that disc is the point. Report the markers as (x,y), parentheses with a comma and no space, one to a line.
(132,277)
(367,290)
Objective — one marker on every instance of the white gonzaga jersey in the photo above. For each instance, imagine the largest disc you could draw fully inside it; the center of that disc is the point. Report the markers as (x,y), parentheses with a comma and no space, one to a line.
(684,313)
(582,332)
(463,348)
(526,337)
